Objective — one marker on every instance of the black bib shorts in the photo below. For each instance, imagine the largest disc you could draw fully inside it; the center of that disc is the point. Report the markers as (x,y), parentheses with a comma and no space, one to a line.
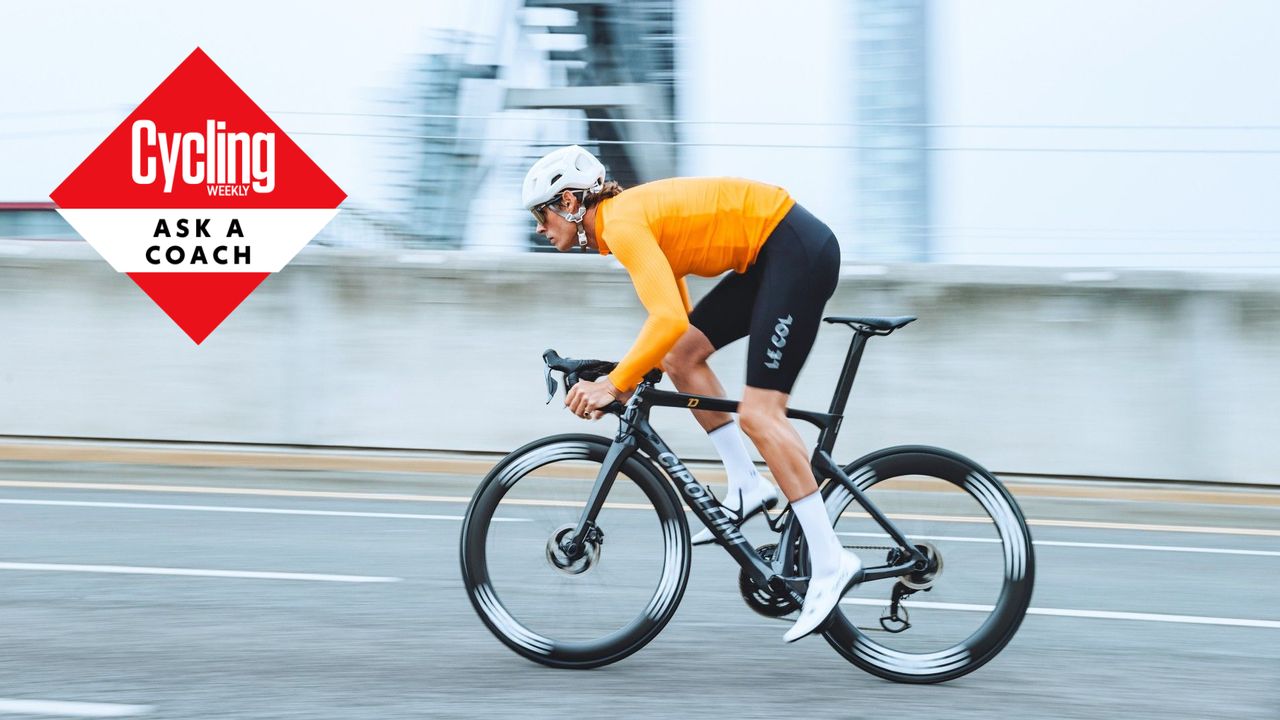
(778,301)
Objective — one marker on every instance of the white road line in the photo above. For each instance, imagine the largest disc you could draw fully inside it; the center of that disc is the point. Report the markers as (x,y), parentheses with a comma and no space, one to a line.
(194,572)
(1104,546)
(70,709)
(459,518)
(1088,524)
(1204,530)
(1091,614)
(231,508)
(1159,548)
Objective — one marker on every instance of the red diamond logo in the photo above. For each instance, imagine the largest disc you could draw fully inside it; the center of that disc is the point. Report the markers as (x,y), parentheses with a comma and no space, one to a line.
(198,196)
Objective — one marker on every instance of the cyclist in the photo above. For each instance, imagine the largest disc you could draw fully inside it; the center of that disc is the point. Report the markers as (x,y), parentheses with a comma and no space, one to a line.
(785,265)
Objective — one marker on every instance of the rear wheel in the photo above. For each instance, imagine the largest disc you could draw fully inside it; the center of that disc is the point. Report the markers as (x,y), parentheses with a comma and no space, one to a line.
(955,614)
(583,609)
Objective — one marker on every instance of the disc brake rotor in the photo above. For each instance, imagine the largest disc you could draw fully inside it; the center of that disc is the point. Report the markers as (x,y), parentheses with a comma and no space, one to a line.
(557,558)
(924,579)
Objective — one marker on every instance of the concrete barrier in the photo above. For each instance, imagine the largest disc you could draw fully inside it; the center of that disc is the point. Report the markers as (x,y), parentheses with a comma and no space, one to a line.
(1029,370)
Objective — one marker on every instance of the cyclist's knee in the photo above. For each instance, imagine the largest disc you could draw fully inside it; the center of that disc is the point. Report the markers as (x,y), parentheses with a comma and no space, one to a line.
(759,420)
(691,351)
(677,365)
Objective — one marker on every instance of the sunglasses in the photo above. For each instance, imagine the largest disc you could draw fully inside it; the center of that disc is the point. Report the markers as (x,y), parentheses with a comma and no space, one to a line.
(540,211)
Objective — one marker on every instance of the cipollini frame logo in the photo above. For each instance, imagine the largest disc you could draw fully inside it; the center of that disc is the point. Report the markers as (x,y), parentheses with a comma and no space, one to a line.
(198,196)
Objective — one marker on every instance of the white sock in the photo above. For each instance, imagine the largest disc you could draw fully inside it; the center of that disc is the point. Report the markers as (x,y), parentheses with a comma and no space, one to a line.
(737,463)
(824,546)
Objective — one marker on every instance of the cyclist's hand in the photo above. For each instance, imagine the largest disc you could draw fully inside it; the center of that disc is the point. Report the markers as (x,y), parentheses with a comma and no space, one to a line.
(585,397)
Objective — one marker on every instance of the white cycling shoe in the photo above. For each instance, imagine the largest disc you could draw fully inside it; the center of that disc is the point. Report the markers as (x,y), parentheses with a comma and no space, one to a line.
(763,495)
(823,595)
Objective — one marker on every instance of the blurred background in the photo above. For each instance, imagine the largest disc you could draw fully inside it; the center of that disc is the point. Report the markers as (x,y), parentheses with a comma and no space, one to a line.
(1132,134)
(1078,199)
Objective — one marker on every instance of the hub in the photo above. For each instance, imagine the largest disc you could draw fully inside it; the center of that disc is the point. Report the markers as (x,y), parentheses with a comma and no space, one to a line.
(923,579)
(583,559)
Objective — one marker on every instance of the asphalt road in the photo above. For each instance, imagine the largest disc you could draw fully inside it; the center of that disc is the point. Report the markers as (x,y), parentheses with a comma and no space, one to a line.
(169,592)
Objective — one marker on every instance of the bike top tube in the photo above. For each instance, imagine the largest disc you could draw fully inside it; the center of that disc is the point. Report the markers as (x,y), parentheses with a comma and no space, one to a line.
(653,397)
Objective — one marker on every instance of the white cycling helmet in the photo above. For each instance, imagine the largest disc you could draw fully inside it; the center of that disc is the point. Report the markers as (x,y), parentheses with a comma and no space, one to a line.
(566,168)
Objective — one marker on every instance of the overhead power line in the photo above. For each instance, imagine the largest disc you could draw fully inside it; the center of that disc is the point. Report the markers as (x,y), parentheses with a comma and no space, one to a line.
(786,123)
(804,146)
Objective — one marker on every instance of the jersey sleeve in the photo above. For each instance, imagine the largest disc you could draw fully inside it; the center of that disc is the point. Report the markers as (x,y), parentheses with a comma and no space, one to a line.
(661,293)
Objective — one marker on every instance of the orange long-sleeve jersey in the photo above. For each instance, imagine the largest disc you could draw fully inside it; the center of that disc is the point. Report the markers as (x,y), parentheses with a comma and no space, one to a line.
(664,230)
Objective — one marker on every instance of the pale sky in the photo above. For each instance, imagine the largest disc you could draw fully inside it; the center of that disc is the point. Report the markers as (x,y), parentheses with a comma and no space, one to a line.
(1121,62)
(71,70)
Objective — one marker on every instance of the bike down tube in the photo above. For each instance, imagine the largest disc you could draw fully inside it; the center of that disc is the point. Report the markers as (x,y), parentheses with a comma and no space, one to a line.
(827,466)
(704,505)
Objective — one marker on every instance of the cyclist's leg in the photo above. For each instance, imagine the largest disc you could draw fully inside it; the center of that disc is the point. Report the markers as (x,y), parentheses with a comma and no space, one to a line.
(747,490)
(798,277)
(764,419)
(686,365)
(800,266)
(721,317)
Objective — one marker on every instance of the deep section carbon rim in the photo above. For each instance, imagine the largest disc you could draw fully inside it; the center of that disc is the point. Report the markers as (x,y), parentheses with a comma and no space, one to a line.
(956,614)
(591,608)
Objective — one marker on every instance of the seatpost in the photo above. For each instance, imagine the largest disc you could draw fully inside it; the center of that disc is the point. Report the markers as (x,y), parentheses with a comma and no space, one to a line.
(841,398)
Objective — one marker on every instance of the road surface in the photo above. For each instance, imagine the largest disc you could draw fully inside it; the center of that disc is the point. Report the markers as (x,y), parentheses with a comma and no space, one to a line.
(131,590)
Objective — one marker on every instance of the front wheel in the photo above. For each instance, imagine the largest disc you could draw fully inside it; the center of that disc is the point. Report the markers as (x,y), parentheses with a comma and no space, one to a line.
(953,616)
(590,608)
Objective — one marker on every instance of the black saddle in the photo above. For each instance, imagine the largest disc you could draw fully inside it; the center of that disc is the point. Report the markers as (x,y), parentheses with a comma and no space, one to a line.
(872,325)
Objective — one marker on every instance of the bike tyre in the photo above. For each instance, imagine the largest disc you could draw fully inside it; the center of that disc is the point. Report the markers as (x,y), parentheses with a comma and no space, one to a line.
(1019,567)
(486,601)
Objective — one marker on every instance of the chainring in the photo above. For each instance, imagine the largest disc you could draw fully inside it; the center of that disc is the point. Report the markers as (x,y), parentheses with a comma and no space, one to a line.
(762,600)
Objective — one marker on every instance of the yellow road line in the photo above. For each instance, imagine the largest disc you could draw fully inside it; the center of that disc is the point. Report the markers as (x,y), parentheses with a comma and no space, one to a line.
(273,492)
(378,461)
(1094,491)
(267,492)
(265,460)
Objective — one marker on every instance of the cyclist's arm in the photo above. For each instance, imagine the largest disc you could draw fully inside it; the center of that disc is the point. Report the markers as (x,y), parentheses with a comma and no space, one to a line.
(661,294)
(684,296)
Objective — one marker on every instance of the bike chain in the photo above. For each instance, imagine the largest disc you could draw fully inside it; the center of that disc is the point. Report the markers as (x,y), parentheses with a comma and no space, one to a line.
(894,607)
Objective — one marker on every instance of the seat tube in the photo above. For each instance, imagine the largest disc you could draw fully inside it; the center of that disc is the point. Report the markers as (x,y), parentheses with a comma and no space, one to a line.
(827,439)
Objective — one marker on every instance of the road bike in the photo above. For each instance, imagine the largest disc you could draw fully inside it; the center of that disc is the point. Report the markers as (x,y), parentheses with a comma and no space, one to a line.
(575,548)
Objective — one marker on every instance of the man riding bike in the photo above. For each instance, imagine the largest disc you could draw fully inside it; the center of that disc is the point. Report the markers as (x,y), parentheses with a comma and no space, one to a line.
(785,265)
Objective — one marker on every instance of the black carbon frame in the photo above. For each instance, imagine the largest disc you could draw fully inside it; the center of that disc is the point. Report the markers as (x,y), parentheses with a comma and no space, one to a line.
(636,434)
